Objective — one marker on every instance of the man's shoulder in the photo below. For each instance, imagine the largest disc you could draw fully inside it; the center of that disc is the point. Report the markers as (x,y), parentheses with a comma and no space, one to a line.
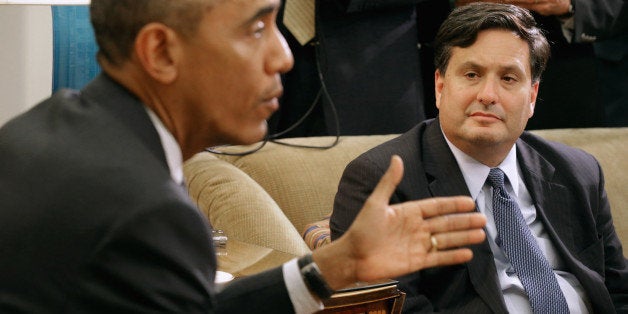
(403,145)
(378,158)
(551,148)
(565,158)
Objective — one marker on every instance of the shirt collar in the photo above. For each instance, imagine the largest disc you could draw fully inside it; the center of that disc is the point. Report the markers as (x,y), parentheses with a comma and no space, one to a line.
(475,173)
(174,158)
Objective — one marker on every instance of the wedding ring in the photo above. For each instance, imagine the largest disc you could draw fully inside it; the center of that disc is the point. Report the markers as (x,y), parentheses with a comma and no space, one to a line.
(434,248)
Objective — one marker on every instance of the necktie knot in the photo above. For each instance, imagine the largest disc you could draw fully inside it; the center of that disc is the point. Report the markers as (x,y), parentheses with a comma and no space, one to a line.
(496,178)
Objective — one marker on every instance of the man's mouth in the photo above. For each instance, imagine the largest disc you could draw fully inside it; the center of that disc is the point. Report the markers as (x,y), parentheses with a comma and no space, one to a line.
(484,115)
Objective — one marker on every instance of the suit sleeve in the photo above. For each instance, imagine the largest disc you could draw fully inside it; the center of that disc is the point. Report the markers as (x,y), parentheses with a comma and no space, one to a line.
(158,259)
(263,293)
(356,184)
(594,20)
(162,261)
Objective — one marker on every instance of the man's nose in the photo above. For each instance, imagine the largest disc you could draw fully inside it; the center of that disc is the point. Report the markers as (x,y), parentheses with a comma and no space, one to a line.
(487,95)
(280,59)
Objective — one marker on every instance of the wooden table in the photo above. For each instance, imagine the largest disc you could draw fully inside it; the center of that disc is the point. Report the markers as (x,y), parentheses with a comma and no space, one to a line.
(244,259)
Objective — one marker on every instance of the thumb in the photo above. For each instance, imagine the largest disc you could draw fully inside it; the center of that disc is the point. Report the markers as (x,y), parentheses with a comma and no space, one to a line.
(389,181)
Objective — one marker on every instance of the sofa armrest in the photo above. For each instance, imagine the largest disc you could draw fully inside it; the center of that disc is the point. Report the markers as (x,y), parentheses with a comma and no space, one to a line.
(235,203)
(317,234)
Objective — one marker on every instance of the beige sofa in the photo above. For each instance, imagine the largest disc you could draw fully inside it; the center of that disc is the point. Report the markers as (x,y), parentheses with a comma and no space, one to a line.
(267,198)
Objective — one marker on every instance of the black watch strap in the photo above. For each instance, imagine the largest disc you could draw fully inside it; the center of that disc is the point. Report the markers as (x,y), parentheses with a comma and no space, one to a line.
(313,279)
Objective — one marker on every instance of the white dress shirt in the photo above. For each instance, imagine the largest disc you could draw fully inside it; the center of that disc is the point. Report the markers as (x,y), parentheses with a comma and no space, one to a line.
(515,297)
(300,296)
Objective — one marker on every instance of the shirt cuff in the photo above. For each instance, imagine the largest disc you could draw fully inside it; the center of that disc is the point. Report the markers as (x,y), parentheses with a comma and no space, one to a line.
(302,300)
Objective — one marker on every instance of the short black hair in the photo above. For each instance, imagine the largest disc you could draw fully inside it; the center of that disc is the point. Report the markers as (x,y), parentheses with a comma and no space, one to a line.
(117,22)
(462,26)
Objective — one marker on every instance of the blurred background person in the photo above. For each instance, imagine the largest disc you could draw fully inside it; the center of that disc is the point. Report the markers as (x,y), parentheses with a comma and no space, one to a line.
(365,66)
(612,55)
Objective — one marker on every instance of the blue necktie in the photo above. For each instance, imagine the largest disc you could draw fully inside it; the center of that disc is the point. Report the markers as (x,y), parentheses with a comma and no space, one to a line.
(521,249)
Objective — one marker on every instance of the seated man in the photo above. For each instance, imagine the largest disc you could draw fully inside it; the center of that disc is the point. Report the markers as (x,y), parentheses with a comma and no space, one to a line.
(551,246)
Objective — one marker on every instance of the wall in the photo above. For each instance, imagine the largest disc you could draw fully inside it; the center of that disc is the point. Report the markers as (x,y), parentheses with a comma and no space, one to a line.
(25,57)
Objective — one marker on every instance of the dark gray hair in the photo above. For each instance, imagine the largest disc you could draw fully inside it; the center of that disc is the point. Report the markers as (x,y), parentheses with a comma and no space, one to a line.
(464,23)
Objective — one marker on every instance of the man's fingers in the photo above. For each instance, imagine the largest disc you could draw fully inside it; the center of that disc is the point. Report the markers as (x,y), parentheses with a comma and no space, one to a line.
(450,250)
(389,181)
(449,257)
(459,238)
(438,206)
(455,222)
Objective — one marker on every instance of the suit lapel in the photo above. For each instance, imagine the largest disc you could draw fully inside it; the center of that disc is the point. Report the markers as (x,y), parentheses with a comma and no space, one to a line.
(443,174)
(445,179)
(548,196)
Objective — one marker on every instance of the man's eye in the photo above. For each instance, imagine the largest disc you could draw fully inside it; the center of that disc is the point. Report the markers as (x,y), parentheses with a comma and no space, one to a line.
(471,75)
(259,28)
(509,79)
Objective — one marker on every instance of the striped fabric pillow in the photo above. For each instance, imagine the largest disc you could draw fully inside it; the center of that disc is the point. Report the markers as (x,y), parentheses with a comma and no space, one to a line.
(317,234)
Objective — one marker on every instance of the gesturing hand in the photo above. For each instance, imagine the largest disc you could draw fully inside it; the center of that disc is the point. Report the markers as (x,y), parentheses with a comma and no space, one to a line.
(387,241)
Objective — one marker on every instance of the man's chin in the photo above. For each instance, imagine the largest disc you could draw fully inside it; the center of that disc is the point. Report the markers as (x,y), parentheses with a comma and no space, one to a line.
(485,136)
(252,137)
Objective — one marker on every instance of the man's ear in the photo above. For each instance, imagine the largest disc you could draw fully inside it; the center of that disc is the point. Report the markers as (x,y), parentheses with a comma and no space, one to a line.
(439,81)
(154,47)
(534,92)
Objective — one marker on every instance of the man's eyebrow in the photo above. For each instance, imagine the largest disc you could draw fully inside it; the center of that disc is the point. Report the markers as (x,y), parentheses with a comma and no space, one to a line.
(261,13)
(506,68)
(470,64)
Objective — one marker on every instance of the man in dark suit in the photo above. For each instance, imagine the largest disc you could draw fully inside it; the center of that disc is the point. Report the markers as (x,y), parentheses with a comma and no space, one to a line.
(372,56)
(612,54)
(489,60)
(93,217)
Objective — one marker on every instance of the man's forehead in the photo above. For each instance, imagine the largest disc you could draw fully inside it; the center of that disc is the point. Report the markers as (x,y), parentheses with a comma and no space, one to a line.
(248,2)
(499,46)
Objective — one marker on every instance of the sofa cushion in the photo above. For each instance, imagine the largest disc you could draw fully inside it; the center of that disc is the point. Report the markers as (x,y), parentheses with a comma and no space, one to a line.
(303,181)
(229,197)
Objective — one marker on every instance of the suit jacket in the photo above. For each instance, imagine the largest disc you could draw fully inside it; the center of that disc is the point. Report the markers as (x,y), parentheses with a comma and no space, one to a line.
(613,57)
(567,187)
(91,221)
(376,61)
(600,19)
(614,43)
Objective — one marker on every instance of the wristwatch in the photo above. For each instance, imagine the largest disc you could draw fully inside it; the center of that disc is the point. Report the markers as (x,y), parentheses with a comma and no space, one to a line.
(313,279)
